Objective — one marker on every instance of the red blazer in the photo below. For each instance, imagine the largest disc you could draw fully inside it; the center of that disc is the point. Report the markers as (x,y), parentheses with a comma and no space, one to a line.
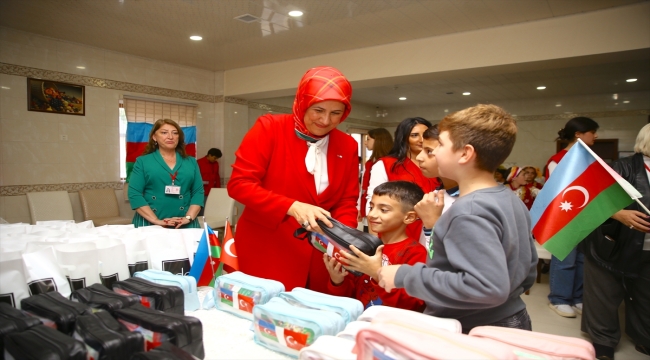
(268,175)
(209,174)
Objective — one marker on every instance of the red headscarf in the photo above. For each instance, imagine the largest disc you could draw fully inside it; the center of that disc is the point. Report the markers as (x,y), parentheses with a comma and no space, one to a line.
(319,84)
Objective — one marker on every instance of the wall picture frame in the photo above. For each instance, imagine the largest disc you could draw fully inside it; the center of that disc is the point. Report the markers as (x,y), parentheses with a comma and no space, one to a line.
(56,97)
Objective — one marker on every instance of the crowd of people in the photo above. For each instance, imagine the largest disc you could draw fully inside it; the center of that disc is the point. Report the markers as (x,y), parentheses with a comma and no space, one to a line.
(455,224)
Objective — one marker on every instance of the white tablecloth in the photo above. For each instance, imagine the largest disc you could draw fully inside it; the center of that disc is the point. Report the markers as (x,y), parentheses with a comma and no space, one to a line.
(226,336)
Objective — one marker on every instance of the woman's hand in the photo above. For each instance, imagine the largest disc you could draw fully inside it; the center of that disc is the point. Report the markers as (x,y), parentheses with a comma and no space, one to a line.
(306,215)
(335,269)
(368,265)
(429,209)
(633,219)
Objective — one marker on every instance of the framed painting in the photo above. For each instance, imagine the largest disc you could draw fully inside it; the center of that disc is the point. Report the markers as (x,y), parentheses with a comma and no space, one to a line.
(56,97)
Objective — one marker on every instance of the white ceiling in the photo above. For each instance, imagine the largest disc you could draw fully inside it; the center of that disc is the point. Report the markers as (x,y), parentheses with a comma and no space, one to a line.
(160,29)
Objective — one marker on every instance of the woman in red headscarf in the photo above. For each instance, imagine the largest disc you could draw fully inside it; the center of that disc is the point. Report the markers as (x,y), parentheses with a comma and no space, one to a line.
(291,170)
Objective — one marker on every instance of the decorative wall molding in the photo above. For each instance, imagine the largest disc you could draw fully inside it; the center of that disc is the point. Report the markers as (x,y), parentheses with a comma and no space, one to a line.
(596,114)
(19,70)
(13,190)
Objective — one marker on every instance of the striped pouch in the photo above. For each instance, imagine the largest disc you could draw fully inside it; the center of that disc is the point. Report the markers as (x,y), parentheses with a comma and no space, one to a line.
(238,293)
(285,328)
(531,344)
(348,308)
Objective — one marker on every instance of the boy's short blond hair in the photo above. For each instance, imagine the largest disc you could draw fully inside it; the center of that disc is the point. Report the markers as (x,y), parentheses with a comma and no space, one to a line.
(491,130)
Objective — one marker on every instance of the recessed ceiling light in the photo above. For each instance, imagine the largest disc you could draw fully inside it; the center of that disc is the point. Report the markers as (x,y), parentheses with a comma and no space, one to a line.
(558,105)
(295,13)
(467,93)
(235,112)
(626,102)
(6,87)
(615,103)
(541,87)
(402,98)
(81,67)
(446,110)
(630,80)
(196,38)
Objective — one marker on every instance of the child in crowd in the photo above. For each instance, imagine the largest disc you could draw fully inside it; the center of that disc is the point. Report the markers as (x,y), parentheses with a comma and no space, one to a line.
(391,210)
(517,183)
(434,203)
(484,256)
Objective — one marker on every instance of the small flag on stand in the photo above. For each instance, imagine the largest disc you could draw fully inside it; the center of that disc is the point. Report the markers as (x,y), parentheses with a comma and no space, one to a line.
(207,256)
(581,194)
(229,253)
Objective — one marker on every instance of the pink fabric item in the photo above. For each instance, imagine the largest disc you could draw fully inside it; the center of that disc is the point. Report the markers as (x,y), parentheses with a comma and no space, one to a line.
(401,342)
(527,343)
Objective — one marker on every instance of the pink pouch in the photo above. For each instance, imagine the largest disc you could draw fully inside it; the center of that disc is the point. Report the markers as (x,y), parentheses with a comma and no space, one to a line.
(529,344)
(387,341)
(411,319)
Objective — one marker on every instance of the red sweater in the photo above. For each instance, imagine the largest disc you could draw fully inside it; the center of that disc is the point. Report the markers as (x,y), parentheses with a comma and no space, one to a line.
(366,290)
(409,171)
(209,174)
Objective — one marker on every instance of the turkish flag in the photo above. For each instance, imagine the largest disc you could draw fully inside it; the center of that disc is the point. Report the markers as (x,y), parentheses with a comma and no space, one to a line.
(229,253)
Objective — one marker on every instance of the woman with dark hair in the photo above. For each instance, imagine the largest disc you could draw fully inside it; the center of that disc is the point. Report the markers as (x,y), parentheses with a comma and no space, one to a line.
(165,187)
(617,266)
(291,170)
(566,276)
(400,164)
(379,141)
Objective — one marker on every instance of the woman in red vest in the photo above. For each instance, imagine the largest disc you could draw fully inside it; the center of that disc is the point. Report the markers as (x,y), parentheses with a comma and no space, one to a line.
(379,141)
(400,164)
(290,170)
(566,276)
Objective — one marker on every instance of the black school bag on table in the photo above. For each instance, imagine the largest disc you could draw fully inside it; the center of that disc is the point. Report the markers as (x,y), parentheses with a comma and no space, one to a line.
(42,342)
(99,296)
(106,338)
(54,307)
(169,299)
(340,237)
(186,332)
(14,321)
(166,351)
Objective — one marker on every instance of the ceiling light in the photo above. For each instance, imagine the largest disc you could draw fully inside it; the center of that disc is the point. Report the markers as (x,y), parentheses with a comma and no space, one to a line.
(196,38)
(6,87)
(615,103)
(295,13)
(558,105)
(541,87)
(615,96)
(467,93)
(402,98)
(630,80)
(81,67)
(626,102)
(446,110)
(235,112)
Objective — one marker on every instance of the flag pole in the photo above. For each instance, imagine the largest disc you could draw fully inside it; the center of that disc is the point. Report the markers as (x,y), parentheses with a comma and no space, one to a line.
(207,236)
(643,206)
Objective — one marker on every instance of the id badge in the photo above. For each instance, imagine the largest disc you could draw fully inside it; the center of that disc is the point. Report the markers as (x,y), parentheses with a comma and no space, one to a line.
(172,189)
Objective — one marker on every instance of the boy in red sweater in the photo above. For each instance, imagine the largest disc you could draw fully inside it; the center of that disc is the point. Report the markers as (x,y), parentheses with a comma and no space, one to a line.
(391,210)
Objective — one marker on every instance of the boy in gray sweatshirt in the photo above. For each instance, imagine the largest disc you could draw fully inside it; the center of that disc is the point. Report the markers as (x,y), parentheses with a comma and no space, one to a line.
(482,256)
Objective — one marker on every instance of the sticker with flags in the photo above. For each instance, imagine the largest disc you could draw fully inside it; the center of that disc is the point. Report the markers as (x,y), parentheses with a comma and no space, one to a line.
(233,297)
(284,336)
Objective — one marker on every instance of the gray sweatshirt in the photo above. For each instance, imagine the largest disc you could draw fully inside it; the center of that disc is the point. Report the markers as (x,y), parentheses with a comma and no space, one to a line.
(483,260)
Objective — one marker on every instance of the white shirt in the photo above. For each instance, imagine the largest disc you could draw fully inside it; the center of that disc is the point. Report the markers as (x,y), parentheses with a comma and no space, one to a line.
(321,179)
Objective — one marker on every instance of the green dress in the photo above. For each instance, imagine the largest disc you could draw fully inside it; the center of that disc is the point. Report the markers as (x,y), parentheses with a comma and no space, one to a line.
(147,187)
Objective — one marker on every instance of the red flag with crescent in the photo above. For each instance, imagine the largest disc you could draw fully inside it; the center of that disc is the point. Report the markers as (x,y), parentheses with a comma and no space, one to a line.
(229,253)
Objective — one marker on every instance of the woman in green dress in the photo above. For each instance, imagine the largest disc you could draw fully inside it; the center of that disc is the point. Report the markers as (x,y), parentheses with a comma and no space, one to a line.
(165,187)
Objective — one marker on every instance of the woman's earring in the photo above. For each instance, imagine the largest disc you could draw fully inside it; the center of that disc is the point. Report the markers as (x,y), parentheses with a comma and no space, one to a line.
(155,143)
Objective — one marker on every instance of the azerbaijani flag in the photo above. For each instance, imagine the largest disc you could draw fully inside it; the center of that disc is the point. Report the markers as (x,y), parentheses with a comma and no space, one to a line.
(207,254)
(137,136)
(581,194)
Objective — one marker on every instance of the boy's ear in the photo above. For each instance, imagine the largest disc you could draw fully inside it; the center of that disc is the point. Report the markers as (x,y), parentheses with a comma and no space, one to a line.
(468,154)
(410,217)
